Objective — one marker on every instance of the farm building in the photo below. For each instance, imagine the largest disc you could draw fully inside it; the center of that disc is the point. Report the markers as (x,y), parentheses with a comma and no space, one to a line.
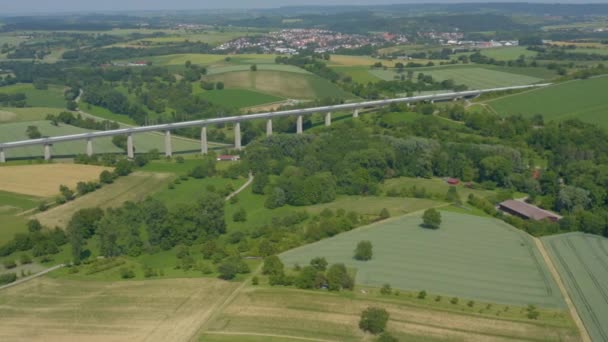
(228,157)
(453,181)
(527,211)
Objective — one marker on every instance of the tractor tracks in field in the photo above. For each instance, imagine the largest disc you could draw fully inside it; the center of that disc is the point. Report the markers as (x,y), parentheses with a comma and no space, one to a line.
(585,337)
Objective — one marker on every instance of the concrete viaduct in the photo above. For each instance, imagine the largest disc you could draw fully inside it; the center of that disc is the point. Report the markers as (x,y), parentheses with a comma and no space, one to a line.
(47,143)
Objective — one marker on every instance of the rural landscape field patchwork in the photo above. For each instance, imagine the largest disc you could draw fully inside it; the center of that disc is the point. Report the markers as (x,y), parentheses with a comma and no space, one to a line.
(262,174)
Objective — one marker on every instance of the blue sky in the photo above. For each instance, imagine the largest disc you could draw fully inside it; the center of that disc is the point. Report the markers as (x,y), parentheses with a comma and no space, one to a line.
(12,6)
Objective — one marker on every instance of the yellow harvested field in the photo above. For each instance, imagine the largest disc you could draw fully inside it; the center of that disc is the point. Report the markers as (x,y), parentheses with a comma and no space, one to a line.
(7,116)
(343,60)
(47,309)
(44,180)
(134,187)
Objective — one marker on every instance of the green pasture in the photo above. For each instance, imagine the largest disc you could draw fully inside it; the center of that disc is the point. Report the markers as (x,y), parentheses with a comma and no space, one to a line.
(435,186)
(282,84)
(473,77)
(261,67)
(470,257)
(143,142)
(579,99)
(370,205)
(209,37)
(239,98)
(11,205)
(188,191)
(582,261)
(106,114)
(359,74)
(10,114)
(508,53)
(205,59)
(51,97)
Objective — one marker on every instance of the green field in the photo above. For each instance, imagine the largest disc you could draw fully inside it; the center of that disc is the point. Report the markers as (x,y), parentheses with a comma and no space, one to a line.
(581,99)
(143,142)
(469,256)
(205,59)
(290,315)
(360,74)
(471,76)
(282,84)
(191,190)
(51,97)
(436,187)
(239,98)
(261,67)
(11,205)
(26,114)
(582,261)
(508,53)
(106,114)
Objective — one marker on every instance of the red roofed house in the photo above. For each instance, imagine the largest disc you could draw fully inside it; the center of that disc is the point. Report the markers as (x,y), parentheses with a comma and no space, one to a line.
(527,211)
(453,181)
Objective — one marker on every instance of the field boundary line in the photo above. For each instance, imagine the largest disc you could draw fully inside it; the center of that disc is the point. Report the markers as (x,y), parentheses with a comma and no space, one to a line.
(218,307)
(553,270)
(238,333)
(33,276)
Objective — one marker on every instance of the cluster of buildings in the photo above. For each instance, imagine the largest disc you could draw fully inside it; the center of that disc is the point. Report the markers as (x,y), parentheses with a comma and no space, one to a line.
(479,44)
(293,40)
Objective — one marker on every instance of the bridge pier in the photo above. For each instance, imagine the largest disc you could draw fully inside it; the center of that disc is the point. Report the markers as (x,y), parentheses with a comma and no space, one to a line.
(237,135)
(2,156)
(269,127)
(168,149)
(299,125)
(89,147)
(356,113)
(328,119)
(47,152)
(204,145)
(130,151)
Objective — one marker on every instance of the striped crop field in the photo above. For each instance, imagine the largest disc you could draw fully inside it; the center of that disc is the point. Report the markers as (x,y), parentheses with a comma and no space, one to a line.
(469,257)
(582,261)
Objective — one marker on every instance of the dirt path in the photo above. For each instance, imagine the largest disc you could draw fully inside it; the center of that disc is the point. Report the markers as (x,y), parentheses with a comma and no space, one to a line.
(219,306)
(230,333)
(33,276)
(238,191)
(577,319)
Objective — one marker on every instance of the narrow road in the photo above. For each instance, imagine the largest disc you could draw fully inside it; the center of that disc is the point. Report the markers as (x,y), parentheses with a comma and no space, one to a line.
(577,319)
(33,276)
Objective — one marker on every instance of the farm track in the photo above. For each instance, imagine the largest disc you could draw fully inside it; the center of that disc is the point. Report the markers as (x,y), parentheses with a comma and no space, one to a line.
(573,311)
(230,333)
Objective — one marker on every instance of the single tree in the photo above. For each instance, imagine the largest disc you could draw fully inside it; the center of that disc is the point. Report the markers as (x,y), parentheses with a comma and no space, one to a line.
(363,252)
(431,218)
(254,67)
(319,263)
(373,320)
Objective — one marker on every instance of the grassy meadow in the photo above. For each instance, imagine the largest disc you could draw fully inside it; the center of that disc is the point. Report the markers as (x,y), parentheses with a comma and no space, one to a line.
(469,257)
(51,97)
(472,76)
(582,261)
(281,84)
(239,98)
(580,99)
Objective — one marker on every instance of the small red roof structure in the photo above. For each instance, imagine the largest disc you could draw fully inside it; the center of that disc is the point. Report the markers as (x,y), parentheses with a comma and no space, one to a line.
(228,157)
(453,181)
(527,211)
